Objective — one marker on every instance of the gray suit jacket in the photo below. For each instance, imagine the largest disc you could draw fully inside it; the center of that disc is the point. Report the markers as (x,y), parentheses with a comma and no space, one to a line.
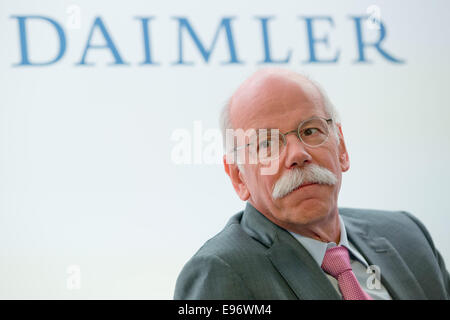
(252,258)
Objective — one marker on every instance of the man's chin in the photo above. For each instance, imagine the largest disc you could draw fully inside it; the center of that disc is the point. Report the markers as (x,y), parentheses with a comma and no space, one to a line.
(305,212)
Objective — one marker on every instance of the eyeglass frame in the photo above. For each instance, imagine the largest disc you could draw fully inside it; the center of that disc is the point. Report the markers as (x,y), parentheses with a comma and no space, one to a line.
(283,135)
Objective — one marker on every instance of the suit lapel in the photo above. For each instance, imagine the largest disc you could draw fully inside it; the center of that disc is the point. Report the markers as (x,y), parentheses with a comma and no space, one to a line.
(395,274)
(299,269)
(289,258)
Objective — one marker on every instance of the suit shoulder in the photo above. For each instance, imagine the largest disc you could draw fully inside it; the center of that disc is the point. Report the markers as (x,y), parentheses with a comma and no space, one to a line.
(375,216)
(217,269)
(391,224)
(230,242)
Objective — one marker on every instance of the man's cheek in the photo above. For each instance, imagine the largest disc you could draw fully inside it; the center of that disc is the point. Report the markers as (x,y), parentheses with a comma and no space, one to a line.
(269,168)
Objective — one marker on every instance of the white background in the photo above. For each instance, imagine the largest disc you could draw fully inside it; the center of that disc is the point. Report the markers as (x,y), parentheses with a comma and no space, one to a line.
(85,152)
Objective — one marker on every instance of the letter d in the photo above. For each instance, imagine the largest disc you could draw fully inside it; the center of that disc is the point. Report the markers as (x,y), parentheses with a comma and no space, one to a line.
(24,44)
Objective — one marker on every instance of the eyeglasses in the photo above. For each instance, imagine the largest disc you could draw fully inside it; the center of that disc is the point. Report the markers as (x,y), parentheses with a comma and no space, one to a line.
(269,143)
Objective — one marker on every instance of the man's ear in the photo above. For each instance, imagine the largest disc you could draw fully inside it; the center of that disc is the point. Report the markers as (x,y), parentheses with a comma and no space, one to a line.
(236,177)
(343,154)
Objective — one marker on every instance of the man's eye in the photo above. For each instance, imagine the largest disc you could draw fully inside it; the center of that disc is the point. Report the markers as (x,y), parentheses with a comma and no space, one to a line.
(310,131)
(265,144)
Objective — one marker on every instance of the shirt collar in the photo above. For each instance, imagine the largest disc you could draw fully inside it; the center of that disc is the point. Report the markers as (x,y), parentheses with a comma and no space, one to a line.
(318,248)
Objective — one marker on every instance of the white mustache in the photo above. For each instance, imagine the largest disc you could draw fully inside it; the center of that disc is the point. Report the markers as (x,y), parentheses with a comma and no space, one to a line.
(294,178)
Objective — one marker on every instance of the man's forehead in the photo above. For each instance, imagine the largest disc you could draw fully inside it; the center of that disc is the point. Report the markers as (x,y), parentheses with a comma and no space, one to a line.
(269,94)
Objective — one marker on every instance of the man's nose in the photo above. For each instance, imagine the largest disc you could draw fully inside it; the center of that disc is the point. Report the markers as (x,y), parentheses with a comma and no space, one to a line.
(297,154)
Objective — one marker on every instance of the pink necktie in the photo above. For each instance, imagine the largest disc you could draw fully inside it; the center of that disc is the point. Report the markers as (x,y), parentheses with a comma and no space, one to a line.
(337,263)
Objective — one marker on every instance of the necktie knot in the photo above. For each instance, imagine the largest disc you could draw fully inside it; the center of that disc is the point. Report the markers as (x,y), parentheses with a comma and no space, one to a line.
(336,261)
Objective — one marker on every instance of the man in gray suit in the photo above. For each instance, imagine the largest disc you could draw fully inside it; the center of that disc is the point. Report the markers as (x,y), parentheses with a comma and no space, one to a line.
(286,160)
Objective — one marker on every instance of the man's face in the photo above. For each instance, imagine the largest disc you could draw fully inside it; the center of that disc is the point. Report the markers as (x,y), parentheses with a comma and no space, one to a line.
(283,102)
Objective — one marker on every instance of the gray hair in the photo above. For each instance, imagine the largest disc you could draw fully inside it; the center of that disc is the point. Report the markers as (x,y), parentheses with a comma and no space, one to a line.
(330,109)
